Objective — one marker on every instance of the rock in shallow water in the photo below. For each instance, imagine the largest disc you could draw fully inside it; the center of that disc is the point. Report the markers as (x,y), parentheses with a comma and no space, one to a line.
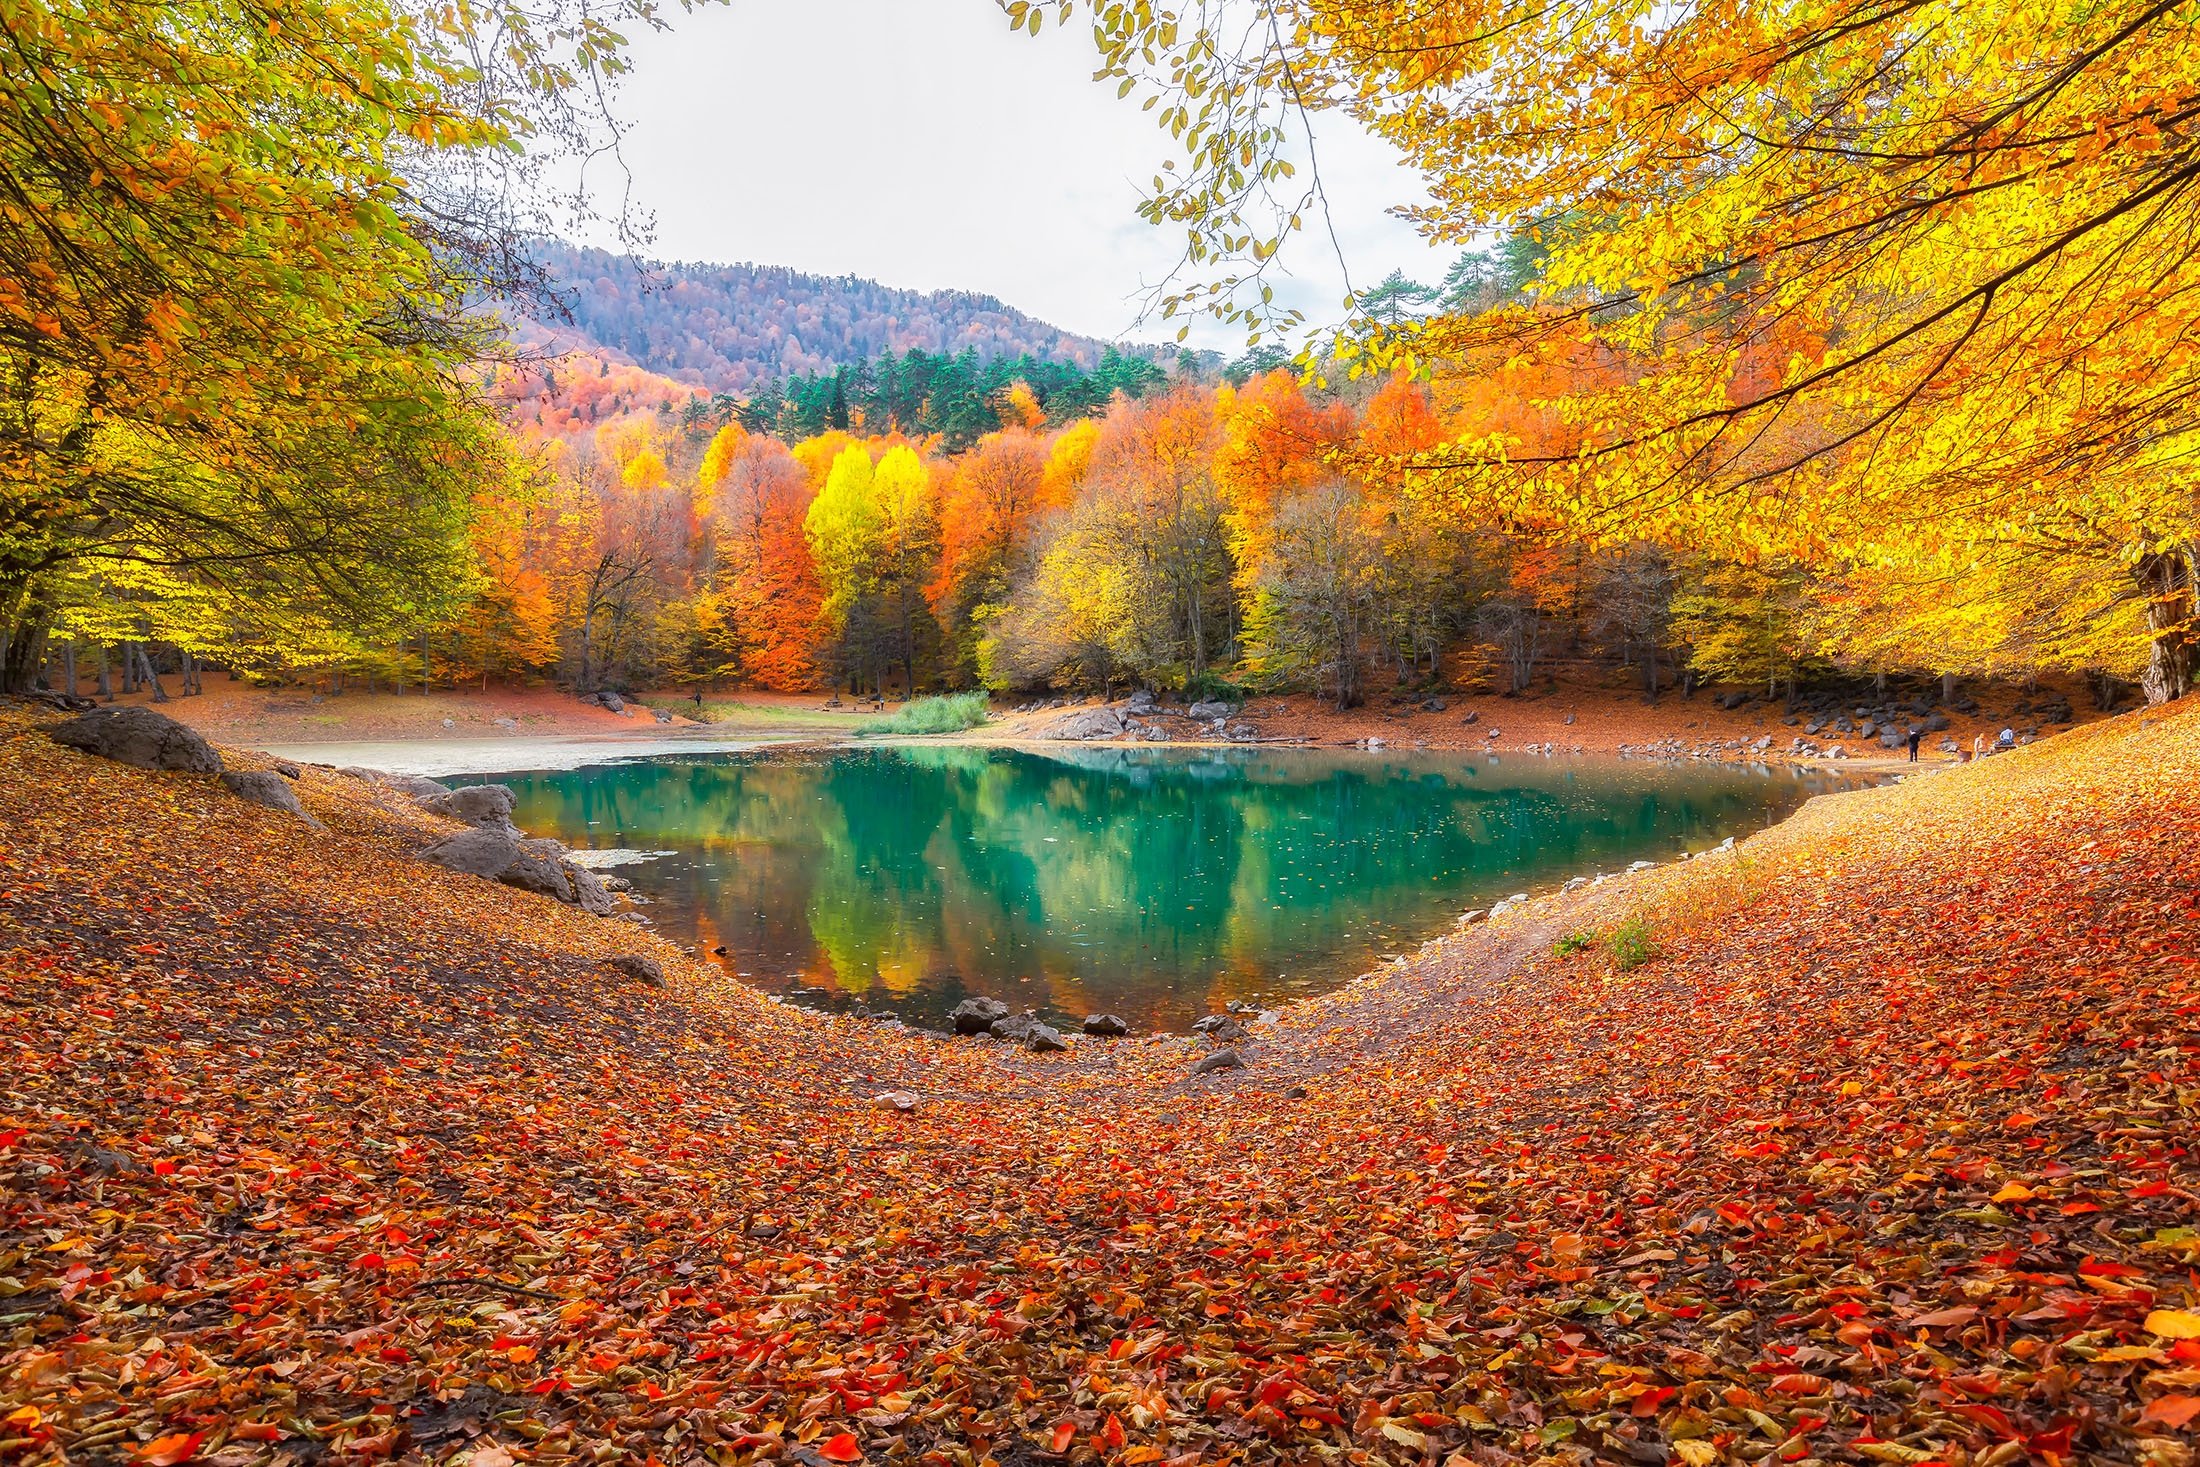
(977,1015)
(1106,1026)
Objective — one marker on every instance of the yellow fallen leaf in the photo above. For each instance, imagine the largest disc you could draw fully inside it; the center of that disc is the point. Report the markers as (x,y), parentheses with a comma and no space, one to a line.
(2174,1324)
(2015,1192)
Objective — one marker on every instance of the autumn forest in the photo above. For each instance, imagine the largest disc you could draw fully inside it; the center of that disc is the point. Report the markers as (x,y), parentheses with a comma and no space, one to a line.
(1424,1006)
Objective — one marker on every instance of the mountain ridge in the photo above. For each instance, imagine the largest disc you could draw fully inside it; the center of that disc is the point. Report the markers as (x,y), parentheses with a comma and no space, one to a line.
(730,328)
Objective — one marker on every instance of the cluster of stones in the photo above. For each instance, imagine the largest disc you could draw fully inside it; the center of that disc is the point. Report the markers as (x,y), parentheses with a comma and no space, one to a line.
(1143,715)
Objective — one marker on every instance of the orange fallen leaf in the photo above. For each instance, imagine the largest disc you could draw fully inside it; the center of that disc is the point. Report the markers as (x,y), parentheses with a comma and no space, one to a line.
(167,1451)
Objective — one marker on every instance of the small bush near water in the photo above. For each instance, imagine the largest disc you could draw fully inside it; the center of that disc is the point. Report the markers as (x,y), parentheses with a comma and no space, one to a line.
(1630,944)
(951,714)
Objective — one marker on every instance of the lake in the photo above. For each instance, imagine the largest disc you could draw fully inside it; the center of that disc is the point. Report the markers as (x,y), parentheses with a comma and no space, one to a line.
(1151,883)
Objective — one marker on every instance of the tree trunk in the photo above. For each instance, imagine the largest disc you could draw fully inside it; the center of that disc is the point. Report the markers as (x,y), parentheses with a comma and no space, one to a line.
(106,677)
(68,668)
(24,620)
(150,674)
(1947,687)
(2166,578)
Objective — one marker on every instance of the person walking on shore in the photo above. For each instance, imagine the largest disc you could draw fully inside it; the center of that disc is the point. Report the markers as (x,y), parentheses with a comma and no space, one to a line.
(1915,738)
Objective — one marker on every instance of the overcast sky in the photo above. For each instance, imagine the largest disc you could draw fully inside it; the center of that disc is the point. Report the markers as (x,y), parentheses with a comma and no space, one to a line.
(921,144)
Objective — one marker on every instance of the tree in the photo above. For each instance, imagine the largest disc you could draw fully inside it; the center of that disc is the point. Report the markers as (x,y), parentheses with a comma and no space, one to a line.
(1890,283)
(239,250)
(1319,583)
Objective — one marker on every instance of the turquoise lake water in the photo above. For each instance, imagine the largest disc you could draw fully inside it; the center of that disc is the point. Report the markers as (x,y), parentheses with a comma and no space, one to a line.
(1152,883)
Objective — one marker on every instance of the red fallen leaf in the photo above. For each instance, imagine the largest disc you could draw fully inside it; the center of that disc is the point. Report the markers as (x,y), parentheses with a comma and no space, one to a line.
(842,1448)
(1112,1433)
(167,1451)
(256,1431)
(1065,1432)
(1649,1401)
(2172,1411)
(1800,1383)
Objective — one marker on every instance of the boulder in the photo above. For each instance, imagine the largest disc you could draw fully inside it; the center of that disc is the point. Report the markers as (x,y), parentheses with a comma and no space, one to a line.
(977,1015)
(1221,1059)
(1016,1028)
(1472,717)
(484,853)
(1044,1039)
(266,787)
(1140,702)
(485,806)
(639,968)
(612,701)
(1106,1026)
(1434,705)
(544,874)
(1092,723)
(139,737)
(589,892)
(1210,708)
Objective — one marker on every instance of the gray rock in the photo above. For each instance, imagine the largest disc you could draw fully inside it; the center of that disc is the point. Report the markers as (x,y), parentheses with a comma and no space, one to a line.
(977,1015)
(1221,1059)
(1044,1039)
(589,892)
(1016,1028)
(289,770)
(484,853)
(1472,717)
(544,874)
(1140,702)
(420,787)
(266,787)
(1092,723)
(612,701)
(1209,709)
(1106,1026)
(139,737)
(486,806)
(662,715)
(639,968)
(1434,705)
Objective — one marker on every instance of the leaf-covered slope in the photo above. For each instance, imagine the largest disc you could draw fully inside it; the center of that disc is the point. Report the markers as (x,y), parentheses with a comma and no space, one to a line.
(310,1149)
(730,328)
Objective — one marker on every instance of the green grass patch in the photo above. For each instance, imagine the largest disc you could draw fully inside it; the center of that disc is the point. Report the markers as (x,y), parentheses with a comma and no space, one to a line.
(1631,944)
(1574,942)
(950,714)
(734,713)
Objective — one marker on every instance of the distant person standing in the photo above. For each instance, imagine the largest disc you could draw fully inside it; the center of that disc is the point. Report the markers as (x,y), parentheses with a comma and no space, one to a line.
(1916,738)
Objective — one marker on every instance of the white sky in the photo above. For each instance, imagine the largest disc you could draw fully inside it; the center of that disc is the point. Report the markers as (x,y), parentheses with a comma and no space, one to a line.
(922,144)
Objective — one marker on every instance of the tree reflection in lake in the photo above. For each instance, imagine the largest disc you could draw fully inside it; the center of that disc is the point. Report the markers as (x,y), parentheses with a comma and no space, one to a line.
(1152,883)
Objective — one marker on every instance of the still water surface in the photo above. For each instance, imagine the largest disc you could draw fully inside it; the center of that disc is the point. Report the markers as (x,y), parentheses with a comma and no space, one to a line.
(1151,883)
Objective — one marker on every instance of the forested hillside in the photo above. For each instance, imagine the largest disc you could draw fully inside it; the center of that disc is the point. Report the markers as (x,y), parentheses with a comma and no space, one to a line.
(730,328)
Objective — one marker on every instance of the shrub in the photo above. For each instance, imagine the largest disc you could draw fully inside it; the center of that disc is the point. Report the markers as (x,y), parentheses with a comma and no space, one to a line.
(1574,942)
(1212,687)
(950,714)
(1631,944)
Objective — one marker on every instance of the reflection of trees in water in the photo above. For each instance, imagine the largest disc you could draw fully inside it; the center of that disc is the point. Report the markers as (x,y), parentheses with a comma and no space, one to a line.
(1124,878)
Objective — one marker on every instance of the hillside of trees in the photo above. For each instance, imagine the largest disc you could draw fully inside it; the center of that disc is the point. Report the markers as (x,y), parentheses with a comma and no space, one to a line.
(732,328)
